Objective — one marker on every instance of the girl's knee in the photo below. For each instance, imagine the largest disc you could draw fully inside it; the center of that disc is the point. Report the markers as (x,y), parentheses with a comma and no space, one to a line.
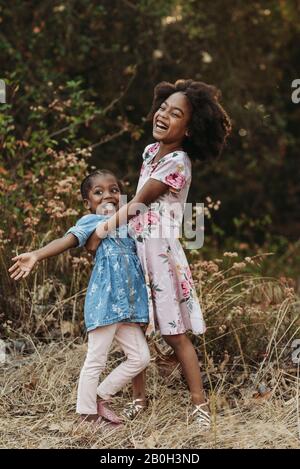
(147,357)
(143,359)
(94,364)
(175,341)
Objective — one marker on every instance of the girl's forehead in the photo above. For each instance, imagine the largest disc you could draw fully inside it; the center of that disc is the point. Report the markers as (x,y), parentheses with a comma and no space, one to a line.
(178,99)
(103,180)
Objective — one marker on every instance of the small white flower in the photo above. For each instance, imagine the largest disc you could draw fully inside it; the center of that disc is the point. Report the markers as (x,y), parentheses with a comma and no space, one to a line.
(116,309)
(94,287)
(206,57)
(157,54)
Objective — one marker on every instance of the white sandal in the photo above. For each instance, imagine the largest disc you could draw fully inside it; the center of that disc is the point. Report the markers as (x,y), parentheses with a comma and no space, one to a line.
(201,416)
(134,408)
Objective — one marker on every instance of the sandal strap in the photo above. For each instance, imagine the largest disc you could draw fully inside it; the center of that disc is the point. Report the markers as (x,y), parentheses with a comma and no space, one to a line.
(133,408)
(135,402)
(202,415)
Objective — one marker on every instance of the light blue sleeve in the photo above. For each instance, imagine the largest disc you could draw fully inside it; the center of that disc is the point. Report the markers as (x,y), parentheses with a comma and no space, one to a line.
(85,227)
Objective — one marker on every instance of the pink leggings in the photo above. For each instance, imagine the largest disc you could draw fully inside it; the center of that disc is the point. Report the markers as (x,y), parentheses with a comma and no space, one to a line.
(132,340)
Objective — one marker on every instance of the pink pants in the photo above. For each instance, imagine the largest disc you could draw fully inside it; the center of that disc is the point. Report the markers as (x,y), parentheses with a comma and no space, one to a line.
(133,343)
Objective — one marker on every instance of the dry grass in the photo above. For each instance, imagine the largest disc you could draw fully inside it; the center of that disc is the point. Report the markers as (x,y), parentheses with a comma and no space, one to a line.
(246,361)
(39,393)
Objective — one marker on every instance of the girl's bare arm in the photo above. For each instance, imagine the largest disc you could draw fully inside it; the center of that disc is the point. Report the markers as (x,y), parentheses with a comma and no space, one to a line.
(25,262)
(149,193)
(56,247)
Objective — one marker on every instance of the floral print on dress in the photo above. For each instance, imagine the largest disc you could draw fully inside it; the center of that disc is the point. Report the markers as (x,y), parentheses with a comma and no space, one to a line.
(175,180)
(143,224)
(173,302)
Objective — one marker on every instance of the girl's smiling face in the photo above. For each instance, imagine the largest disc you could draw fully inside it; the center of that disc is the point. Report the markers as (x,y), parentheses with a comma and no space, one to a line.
(171,120)
(104,195)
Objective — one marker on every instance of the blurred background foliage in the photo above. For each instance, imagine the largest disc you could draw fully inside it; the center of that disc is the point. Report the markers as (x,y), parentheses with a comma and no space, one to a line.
(80,77)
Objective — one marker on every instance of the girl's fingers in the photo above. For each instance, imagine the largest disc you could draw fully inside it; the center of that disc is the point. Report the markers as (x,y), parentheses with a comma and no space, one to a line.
(20,272)
(15,258)
(13,267)
(20,275)
(15,273)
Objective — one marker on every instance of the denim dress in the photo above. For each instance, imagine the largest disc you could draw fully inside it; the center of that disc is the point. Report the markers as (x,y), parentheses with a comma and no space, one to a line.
(117,291)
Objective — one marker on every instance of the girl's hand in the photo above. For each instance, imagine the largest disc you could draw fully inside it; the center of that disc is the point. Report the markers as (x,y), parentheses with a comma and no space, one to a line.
(101,231)
(23,265)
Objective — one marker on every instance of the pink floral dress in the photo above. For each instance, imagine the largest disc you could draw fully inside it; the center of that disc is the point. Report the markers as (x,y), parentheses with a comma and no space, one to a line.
(173,302)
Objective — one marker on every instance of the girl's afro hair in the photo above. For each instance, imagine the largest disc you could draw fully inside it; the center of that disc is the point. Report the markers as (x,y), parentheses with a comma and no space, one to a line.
(209,126)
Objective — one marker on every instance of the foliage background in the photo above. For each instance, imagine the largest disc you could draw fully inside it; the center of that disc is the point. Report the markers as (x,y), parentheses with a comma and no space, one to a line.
(80,76)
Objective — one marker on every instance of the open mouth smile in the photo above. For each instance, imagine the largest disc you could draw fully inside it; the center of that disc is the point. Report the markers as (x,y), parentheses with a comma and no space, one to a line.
(160,126)
(109,205)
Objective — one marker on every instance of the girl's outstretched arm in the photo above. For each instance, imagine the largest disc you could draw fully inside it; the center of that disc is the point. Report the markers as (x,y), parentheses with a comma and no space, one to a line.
(150,192)
(24,263)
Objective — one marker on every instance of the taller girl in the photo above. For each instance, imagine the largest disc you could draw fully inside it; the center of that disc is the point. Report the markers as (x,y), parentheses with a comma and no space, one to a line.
(188,122)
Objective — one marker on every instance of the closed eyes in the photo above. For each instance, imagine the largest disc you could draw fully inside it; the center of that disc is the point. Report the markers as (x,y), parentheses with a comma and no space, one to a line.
(163,107)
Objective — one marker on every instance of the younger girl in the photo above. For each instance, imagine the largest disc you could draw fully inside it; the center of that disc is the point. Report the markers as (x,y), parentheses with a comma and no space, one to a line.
(116,302)
(188,122)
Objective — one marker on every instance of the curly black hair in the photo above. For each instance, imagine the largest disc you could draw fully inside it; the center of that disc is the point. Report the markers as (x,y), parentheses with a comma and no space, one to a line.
(86,184)
(210,124)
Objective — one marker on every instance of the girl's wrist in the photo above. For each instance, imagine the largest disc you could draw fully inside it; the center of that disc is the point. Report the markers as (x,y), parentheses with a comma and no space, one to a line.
(37,256)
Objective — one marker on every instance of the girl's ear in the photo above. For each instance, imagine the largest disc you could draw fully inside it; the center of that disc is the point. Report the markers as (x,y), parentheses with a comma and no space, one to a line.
(87,203)
(187,133)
